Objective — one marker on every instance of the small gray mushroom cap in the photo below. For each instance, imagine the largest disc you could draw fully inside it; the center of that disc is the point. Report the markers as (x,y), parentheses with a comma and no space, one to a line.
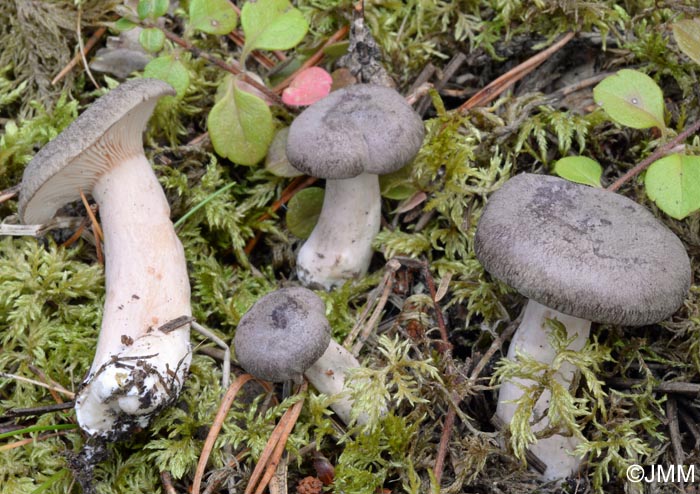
(358,129)
(282,335)
(109,131)
(582,251)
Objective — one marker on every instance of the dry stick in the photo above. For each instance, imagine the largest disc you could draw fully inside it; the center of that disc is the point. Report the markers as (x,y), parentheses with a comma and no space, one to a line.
(259,57)
(496,87)
(295,186)
(167,481)
(674,431)
(388,279)
(73,238)
(52,387)
(446,350)
(276,446)
(233,69)
(9,193)
(388,283)
(216,426)
(29,440)
(99,237)
(659,153)
(81,50)
(314,59)
(78,56)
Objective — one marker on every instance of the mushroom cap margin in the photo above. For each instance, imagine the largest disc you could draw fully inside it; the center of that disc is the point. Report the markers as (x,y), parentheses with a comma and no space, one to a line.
(582,251)
(361,128)
(282,334)
(52,165)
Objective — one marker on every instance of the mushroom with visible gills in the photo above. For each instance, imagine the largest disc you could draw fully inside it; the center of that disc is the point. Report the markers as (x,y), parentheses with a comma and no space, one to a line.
(580,255)
(142,356)
(285,335)
(349,138)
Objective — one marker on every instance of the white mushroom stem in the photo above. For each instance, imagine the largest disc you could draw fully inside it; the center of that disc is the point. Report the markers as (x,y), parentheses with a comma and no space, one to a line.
(340,246)
(138,369)
(531,338)
(328,375)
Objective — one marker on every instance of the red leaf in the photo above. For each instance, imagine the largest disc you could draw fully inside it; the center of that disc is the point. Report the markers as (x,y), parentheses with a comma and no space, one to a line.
(308,86)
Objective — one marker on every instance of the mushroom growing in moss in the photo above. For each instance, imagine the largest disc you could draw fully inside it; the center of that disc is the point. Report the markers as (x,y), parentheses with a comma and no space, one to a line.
(349,138)
(143,351)
(580,255)
(285,335)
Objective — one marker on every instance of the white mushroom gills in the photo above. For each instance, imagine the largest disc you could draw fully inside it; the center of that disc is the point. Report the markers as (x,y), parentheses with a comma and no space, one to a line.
(340,246)
(138,369)
(531,339)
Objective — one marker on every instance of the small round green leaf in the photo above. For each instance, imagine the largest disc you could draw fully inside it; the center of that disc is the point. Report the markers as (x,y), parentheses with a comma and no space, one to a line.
(152,9)
(124,24)
(213,16)
(240,124)
(632,98)
(579,169)
(152,39)
(673,183)
(169,69)
(276,161)
(303,211)
(271,25)
(687,35)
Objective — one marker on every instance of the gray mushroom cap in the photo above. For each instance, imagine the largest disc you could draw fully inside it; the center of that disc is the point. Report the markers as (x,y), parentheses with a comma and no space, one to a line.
(109,131)
(582,251)
(358,129)
(282,335)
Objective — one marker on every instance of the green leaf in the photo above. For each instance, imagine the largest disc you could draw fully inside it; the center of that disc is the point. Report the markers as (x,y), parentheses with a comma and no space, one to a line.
(124,24)
(398,185)
(673,183)
(271,25)
(632,98)
(276,161)
(303,211)
(152,39)
(152,9)
(579,169)
(687,35)
(213,16)
(169,69)
(240,124)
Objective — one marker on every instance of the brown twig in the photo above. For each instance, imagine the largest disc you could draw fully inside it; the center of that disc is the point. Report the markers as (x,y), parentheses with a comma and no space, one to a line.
(9,193)
(167,481)
(496,87)
(97,230)
(30,440)
(674,431)
(80,55)
(271,455)
(294,186)
(76,235)
(216,426)
(313,59)
(263,60)
(659,153)
(430,282)
(234,68)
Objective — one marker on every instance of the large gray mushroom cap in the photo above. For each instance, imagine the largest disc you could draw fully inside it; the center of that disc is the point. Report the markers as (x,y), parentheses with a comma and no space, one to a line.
(582,251)
(358,129)
(282,335)
(109,131)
